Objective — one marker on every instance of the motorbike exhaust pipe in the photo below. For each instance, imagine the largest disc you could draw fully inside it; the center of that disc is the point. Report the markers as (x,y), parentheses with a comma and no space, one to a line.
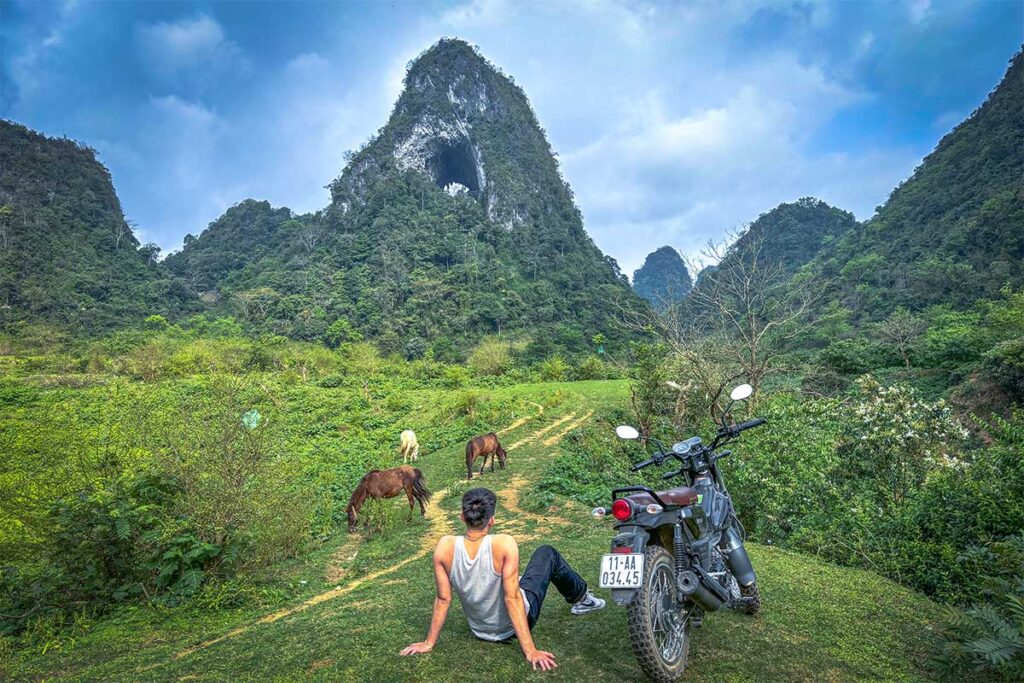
(702,588)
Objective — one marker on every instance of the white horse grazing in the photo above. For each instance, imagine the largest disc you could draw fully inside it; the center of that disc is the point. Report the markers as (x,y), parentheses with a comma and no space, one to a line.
(410,448)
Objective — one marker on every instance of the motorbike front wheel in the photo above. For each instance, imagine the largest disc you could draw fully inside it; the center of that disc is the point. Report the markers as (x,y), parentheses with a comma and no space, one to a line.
(658,628)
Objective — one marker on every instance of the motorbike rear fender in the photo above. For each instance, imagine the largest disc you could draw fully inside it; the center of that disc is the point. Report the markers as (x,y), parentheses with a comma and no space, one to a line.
(736,557)
(635,538)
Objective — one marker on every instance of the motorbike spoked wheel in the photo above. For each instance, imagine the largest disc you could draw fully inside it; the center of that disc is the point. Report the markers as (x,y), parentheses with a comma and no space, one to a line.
(659,628)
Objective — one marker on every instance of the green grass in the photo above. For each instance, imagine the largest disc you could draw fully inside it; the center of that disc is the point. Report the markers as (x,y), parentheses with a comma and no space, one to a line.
(820,622)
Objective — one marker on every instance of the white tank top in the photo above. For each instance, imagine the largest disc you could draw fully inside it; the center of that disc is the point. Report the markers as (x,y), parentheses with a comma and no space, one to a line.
(480,591)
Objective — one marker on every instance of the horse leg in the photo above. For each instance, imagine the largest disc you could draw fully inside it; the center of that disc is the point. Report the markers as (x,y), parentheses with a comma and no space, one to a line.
(483,465)
(408,493)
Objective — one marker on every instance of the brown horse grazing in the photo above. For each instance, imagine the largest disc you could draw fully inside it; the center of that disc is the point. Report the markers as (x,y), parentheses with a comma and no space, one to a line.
(483,445)
(379,484)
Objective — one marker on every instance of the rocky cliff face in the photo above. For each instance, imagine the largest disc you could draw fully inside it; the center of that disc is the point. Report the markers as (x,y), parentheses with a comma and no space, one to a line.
(461,122)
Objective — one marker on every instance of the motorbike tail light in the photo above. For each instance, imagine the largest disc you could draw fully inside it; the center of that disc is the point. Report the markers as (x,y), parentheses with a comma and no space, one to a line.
(622,510)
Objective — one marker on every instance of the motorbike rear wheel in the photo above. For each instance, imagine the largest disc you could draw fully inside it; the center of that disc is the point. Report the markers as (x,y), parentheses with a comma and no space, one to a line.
(659,629)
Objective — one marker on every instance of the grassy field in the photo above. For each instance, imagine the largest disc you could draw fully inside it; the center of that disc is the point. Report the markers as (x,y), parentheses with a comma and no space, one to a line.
(343,612)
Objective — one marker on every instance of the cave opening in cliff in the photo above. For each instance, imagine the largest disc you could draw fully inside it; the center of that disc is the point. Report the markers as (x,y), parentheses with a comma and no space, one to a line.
(455,163)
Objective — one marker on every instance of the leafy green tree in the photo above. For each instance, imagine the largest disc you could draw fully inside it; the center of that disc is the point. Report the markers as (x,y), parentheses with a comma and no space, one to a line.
(648,391)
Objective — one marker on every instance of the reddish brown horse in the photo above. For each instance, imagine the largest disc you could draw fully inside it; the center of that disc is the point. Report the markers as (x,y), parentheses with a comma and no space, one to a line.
(379,484)
(483,445)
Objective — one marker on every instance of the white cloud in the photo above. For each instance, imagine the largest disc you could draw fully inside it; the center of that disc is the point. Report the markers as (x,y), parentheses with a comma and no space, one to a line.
(917,10)
(674,173)
(478,13)
(189,48)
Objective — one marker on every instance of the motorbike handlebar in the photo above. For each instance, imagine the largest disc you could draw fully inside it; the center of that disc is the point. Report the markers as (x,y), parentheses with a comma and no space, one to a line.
(750,424)
(655,459)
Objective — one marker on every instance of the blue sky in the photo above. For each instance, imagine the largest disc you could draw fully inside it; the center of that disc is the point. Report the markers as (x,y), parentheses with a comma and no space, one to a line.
(674,123)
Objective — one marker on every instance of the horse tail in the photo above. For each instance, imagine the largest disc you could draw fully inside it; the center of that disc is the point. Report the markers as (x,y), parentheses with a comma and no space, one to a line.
(419,490)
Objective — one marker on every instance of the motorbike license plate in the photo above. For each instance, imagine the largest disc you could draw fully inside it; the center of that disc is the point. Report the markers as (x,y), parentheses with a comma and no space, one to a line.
(620,570)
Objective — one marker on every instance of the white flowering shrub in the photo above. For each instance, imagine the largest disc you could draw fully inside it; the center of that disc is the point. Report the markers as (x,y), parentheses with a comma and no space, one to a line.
(894,440)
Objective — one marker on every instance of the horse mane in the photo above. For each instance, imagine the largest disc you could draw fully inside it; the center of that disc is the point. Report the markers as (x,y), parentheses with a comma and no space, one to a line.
(359,495)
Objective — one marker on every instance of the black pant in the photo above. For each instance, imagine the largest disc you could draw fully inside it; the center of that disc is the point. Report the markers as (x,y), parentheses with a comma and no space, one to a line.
(548,566)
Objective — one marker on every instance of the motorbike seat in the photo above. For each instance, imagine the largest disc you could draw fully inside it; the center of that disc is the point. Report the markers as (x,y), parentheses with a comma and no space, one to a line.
(680,496)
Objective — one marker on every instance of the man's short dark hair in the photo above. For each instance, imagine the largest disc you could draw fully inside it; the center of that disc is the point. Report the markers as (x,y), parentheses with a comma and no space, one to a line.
(478,507)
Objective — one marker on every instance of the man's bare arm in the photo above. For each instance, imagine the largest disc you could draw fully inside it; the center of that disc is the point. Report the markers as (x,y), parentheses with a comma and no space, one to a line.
(442,601)
(516,606)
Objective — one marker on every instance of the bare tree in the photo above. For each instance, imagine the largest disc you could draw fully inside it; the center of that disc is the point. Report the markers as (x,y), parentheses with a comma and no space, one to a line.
(753,300)
(901,330)
(256,303)
(151,250)
(310,232)
(120,229)
(734,322)
(6,215)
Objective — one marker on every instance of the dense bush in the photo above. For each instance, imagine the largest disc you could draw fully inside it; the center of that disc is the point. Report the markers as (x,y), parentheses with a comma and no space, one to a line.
(987,639)
(855,356)
(130,493)
(492,356)
(1005,363)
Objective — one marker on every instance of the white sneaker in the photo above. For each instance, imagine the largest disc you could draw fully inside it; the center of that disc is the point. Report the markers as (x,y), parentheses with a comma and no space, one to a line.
(589,603)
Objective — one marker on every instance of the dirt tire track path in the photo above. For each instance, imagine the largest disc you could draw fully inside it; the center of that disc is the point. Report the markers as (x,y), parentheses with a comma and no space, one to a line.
(541,432)
(523,420)
(552,440)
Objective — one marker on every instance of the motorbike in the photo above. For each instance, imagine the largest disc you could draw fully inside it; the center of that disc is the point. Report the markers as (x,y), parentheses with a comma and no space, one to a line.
(678,554)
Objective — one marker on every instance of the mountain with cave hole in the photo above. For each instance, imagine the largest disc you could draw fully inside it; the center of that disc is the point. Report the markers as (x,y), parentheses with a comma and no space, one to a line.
(452,223)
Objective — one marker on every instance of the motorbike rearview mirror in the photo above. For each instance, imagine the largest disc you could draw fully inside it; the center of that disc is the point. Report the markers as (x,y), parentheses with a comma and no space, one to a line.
(627,432)
(741,392)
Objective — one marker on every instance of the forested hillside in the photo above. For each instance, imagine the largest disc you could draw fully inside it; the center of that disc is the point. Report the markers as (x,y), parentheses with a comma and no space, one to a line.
(769,250)
(67,255)
(663,279)
(951,234)
(452,223)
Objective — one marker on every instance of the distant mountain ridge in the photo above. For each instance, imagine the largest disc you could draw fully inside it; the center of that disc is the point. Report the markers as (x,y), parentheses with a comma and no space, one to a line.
(663,279)
(454,222)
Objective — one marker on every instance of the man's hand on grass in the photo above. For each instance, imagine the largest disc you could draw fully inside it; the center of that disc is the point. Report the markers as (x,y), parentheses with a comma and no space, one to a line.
(544,661)
(418,649)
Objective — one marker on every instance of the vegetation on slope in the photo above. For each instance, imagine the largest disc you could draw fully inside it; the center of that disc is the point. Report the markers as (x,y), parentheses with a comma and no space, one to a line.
(341,612)
(67,255)
(952,233)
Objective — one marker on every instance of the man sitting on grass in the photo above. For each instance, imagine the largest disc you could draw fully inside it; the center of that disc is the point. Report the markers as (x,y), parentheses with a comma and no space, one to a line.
(484,571)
